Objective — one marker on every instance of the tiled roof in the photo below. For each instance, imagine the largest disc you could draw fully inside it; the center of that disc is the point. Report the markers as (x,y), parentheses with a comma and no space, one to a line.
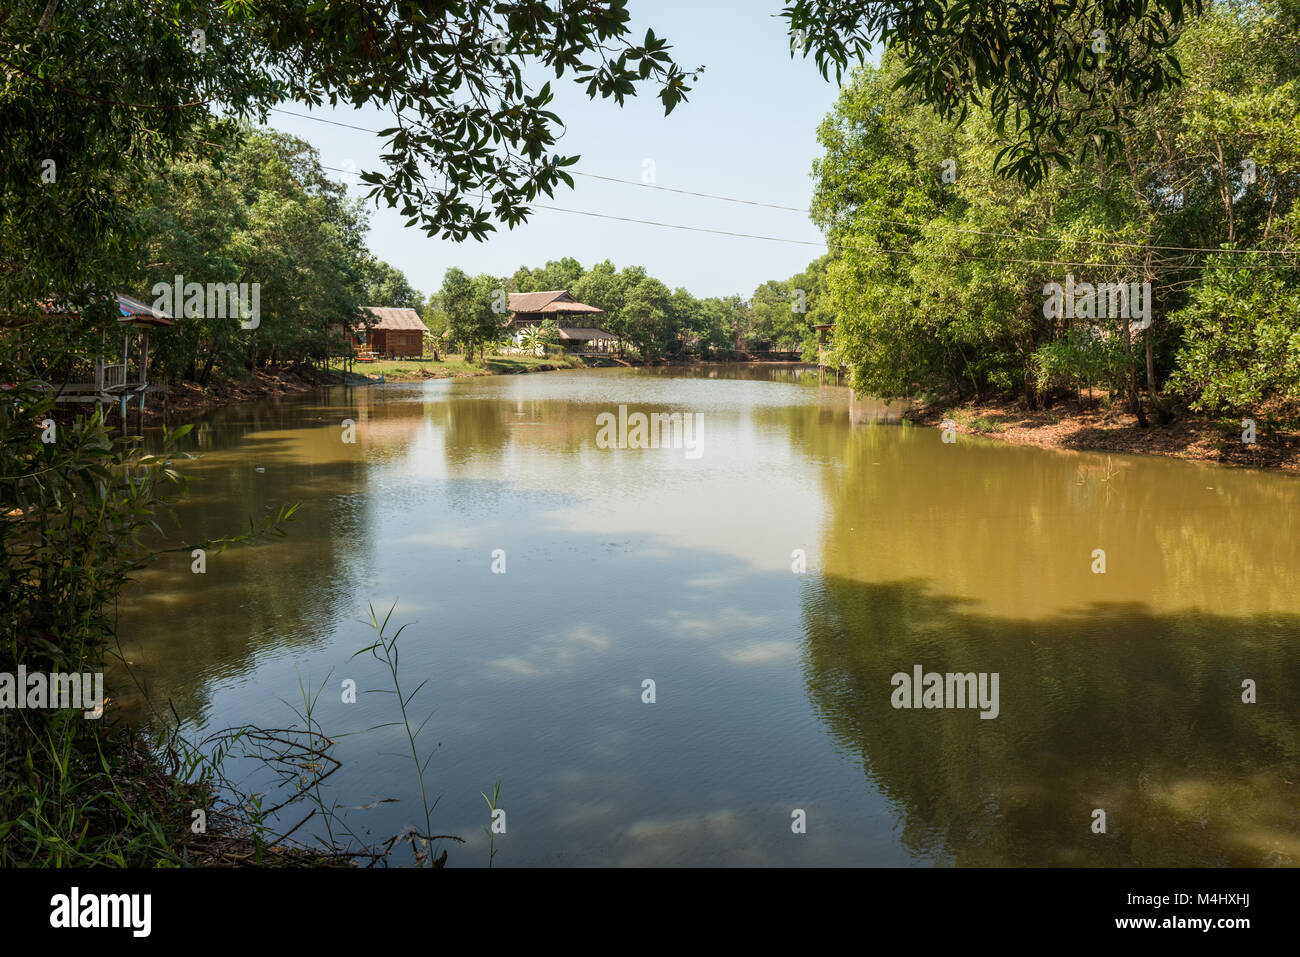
(554,301)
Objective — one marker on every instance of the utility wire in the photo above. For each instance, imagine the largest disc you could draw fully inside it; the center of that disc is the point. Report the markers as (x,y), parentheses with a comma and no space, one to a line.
(1122,267)
(826,243)
(890,222)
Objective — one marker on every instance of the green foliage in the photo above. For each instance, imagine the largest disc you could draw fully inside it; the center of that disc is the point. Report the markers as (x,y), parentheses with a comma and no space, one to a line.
(652,321)
(74,513)
(104,88)
(539,338)
(387,286)
(1045,73)
(475,309)
(1241,340)
(1081,357)
(942,264)
(264,213)
(646,317)
(556,274)
(78,512)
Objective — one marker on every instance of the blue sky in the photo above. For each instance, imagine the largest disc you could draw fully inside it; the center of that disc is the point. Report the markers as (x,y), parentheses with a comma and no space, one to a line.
(748,131)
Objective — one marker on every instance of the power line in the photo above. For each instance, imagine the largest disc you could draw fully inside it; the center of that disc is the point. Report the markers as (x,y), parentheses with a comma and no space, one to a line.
(689,192)
(1032,237)
(830,245)
(804,242)
(952,229)
(807,242)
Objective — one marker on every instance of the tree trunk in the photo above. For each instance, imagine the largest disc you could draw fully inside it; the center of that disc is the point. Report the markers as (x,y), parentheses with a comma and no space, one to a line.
(1163,415)
(1131,376)
(207,368)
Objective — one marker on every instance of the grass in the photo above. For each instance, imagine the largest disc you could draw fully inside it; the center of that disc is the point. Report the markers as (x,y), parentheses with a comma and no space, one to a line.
(988,424)
(449,366)
(983,423)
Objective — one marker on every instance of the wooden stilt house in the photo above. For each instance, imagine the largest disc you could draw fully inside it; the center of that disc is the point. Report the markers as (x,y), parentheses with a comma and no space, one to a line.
(112,376)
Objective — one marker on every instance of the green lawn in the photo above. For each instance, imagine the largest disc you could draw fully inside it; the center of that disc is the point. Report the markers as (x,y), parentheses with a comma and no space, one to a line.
(455,365)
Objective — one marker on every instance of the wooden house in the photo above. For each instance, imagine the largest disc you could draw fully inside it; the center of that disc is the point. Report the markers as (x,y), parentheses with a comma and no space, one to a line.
(577,321)
(393,334)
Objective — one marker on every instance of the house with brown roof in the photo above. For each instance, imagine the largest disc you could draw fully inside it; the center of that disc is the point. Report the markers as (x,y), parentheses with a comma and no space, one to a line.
(578,322)
(393,333)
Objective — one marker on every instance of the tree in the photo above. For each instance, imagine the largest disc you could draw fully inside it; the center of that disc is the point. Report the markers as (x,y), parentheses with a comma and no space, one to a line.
(457,299)
(734,321)
(387,286)
(268,216)
(600,287)
(473,309)
(646,315)
(449,72)
(603,288)
(1041,70)
(556,274)
(939,284)
(808,303)
(684,319)
(775,321)
(1242,344)
(436,321)
(82,138)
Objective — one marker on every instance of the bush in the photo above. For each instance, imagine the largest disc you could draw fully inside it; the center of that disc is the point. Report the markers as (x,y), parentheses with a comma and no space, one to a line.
(1240,338)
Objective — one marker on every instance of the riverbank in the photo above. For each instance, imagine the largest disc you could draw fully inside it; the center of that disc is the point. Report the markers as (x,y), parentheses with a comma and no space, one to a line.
(456,367)
(1098,429)
(189,399)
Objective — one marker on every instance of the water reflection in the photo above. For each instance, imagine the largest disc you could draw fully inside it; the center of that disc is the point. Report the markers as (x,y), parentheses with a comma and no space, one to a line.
(1119,691)
(1114,707)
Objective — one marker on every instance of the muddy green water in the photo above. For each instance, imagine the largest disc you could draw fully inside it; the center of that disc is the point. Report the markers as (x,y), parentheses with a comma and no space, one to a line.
(774,693)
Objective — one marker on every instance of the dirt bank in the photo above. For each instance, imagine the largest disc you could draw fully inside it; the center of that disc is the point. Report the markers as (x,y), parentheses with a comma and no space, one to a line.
(188,400)
(1105,430)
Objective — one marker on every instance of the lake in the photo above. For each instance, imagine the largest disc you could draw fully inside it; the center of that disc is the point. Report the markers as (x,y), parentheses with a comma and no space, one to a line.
(771,583)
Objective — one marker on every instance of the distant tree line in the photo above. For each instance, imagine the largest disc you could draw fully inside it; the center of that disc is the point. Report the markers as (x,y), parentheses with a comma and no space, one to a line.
(653,321)
(256,206)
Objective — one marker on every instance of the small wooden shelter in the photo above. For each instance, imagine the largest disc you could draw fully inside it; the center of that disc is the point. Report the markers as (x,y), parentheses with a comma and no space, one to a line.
(111,377)
(395,334)
(577,321)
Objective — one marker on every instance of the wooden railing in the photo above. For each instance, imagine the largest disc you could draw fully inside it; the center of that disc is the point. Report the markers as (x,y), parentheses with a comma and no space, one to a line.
(114,376)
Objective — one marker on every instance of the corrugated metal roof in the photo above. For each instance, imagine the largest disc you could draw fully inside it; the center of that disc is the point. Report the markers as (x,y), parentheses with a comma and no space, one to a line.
(129,310)
(134,311)
(392,318)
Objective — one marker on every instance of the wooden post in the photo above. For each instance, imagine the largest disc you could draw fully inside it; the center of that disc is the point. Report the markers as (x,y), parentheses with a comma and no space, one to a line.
(99,366)
(144,377)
